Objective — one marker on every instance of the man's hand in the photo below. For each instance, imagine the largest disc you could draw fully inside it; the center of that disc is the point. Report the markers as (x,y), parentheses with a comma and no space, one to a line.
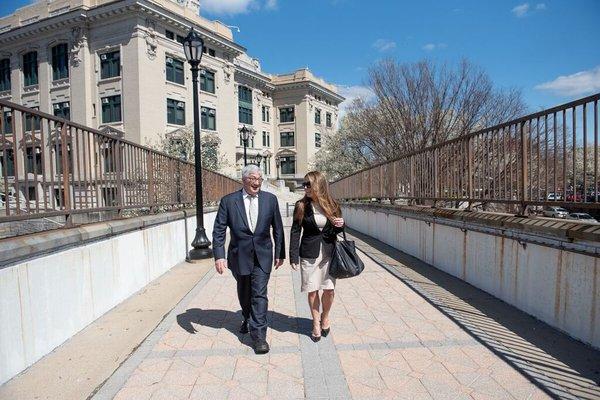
(221,265)
(294,266)
(278,263)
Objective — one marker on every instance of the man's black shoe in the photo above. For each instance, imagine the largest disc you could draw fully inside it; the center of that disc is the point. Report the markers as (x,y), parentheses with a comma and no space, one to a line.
(261,347)
(244,327)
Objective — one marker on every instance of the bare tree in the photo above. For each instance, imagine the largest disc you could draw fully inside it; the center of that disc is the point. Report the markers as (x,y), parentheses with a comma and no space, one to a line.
(416,105)
(180,144)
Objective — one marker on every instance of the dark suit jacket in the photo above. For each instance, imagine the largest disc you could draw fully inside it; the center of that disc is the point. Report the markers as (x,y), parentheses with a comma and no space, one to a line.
(244,244)
(310,244)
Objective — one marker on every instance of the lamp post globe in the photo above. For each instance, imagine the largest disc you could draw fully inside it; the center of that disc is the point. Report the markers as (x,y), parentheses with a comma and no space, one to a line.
(192,47)
(246,134)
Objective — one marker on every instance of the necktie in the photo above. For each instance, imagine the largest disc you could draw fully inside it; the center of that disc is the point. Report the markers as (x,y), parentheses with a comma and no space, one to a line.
(253,212)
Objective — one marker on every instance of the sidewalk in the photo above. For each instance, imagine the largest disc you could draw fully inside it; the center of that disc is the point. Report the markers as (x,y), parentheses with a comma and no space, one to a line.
(387,341)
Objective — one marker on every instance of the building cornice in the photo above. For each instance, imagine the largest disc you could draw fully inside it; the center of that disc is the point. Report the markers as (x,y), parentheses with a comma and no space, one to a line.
(261,79)
(311,85)
(46,25)
(112,9)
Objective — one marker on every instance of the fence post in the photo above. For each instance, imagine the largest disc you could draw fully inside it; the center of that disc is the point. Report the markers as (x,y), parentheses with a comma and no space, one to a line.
(150,169)
(65,170)
(469,146)
(120,183)
(524,167)
(436,173)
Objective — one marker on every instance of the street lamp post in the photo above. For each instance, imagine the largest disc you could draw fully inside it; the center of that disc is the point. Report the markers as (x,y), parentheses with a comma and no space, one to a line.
(258,159)
(277,162)
(193,46)
(246,134)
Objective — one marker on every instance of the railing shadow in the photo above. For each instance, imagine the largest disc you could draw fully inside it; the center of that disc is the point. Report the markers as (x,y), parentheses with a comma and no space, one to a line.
(561,366)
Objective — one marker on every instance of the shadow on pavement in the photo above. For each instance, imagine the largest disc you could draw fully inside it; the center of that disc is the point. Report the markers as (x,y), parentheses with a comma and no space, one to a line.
(225,319)
(558,364)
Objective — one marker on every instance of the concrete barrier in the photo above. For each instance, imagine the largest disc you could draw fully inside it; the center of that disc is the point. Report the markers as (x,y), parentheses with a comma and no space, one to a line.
(53,285)
(547,274)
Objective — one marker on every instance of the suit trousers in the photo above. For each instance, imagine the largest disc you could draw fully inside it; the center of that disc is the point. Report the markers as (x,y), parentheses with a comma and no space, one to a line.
(252,294)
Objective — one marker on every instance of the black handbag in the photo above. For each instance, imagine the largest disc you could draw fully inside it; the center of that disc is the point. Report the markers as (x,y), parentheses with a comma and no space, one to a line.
(345,263)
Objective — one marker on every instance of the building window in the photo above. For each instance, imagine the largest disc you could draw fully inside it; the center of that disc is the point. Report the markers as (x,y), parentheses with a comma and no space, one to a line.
(174,70)
(111,109)
(62,110)
(207,81)
(266,139)
(32,120)
(110,65)
(209,119)
(5,74)
(7,123)
(33,164)
(180,39)
(109,196)
(328,119)
(287,139)
(175,112)
(170,35)
(317,116)
(7,162)
(286,114)
(288,165)
(317,139)
(58,158)
(211,52)
(30,68)
(245,105)
(266,111)
(109,158)
(60,62)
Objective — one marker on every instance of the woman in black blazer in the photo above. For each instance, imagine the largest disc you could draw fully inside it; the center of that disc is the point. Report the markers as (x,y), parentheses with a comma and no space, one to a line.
(317,216)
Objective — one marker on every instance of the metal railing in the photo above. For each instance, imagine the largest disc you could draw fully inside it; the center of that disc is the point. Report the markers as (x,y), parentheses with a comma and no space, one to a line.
(546,158)
(50,166)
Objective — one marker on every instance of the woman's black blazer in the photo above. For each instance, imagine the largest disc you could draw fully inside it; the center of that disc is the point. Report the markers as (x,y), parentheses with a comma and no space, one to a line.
(310,244)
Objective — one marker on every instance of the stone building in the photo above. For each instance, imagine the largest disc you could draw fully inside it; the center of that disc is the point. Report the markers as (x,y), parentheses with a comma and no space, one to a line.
(119,65)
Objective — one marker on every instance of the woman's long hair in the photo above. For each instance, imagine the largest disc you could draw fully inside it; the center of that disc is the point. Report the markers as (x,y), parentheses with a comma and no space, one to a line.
(320,190)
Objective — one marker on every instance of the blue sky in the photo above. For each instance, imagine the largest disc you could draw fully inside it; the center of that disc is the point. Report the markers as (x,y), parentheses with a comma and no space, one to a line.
(549,49)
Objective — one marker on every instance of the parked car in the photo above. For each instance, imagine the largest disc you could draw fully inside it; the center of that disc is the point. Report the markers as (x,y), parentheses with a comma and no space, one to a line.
(556,212)
(591,197)
(554,197)
(583,217)
(575,197)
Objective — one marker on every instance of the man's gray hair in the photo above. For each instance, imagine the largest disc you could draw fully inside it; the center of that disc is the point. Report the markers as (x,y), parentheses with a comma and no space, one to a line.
(250,169)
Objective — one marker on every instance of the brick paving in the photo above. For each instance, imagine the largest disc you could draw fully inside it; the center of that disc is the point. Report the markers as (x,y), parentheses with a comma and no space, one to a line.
(388,341)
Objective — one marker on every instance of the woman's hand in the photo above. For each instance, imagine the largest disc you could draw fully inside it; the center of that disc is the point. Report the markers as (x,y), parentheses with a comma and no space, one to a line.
(294,266)
(338,222)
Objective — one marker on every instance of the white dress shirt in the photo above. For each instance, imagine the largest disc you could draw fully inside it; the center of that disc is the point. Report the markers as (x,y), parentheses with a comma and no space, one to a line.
(246,197)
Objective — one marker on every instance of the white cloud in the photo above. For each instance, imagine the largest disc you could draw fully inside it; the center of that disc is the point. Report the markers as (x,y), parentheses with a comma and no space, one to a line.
(434,46)
(540,6)
(226,6)
(351,93)
(271,4)
(384,45)
(580,83)
(521,10)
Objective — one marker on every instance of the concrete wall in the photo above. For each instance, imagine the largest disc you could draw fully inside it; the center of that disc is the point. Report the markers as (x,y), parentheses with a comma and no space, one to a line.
(556,285)
(46,300)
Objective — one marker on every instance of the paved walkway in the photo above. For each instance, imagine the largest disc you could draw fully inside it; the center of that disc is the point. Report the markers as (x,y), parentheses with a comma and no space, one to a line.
(399,335)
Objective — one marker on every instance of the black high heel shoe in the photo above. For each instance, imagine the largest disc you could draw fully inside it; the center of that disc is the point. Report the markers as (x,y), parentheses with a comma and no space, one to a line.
(325,332)
(315,338)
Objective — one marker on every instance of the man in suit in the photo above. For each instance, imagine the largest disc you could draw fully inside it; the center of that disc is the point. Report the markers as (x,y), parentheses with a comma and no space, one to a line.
(250,214)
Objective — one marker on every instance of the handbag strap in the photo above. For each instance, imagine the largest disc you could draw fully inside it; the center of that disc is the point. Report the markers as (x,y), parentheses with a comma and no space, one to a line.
(343,234)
